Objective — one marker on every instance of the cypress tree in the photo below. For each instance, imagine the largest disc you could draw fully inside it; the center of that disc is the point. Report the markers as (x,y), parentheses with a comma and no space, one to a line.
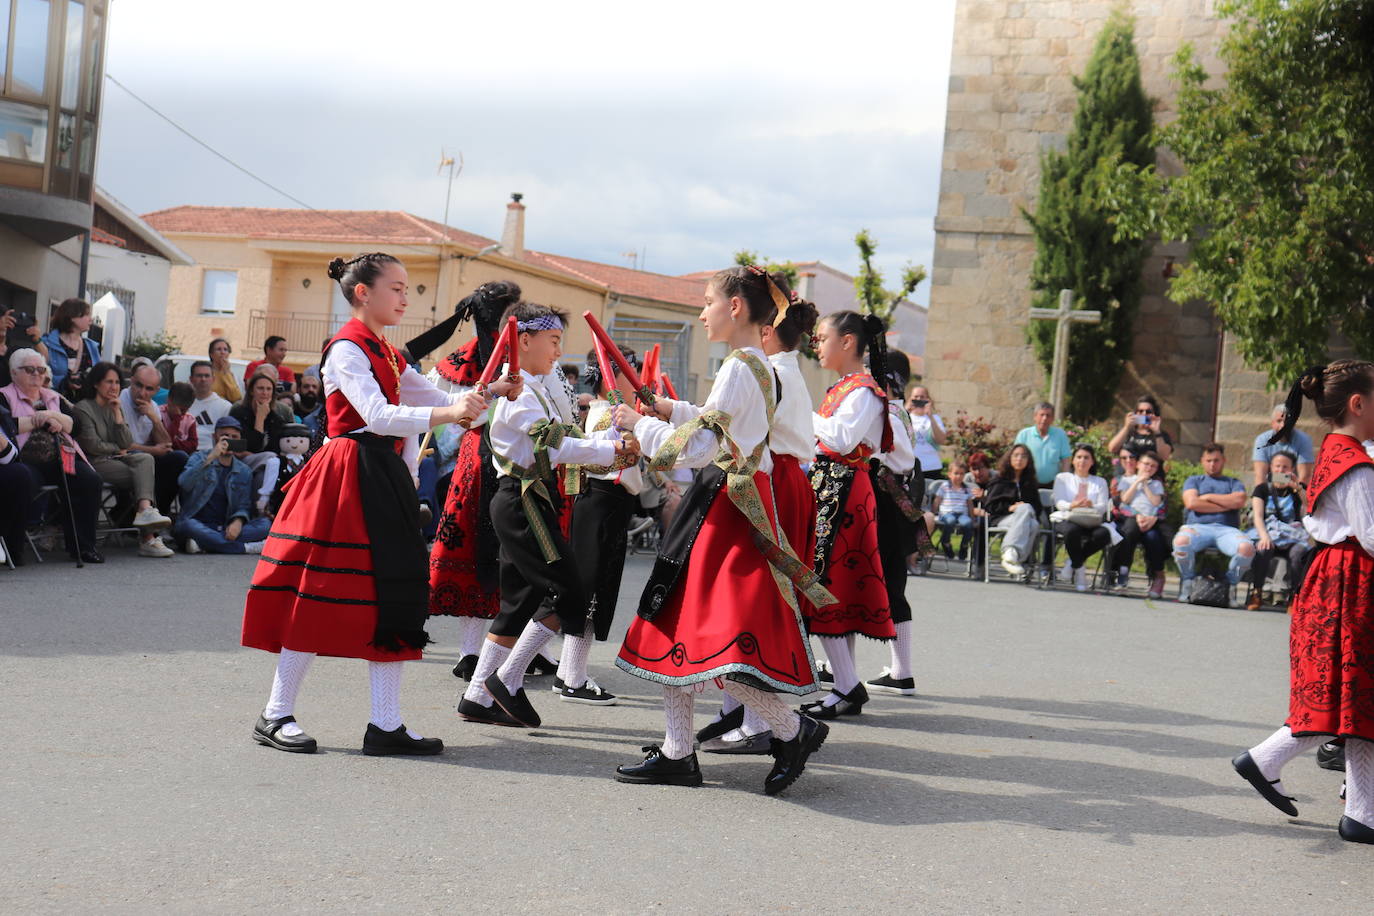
(1075,240)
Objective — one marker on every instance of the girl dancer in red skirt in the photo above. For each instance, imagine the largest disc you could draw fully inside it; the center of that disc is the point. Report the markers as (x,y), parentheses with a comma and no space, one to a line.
(792,441)
(343,569)
(720,602)
(851,426)
(1331,644)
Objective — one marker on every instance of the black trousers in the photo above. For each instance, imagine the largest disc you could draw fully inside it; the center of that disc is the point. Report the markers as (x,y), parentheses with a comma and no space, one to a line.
(166,469)
(599,521)
(527,579)
(1080,542)
(17,487)
(1156,542)
(1293,553)
(896,541)
(84,487)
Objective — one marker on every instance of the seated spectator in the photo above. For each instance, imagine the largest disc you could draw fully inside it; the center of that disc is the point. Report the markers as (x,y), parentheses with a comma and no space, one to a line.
(17,491)
(225,384)
(1012,501)
(1048,445)
(41,429)
(215,494)
(1140,515)
(274,351)
(310,399)
(70,352)
(1126,463)
(1212,503)
(105,437)
(929,429)
(1142,432)
(262,423)
(1278,507)
(208,406)
(1298,444)
(1082,502)
(144,419)
(178,420)
(952,507)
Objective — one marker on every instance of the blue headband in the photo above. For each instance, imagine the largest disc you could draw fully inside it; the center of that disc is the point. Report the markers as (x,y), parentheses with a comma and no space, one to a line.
(542,323)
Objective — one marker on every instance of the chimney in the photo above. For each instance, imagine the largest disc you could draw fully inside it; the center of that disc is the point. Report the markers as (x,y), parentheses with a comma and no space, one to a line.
(513,235)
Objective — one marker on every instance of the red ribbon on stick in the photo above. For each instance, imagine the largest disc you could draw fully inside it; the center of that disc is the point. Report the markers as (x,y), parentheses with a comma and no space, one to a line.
(621,362)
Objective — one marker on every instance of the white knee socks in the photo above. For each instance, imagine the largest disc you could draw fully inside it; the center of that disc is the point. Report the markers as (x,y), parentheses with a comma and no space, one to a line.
(901,651)
(1359,781)
(470,633)
(572,669)
(677,710)
(770,707)
(512,670)
(840,651)
(386,695)
(490,658)
(1273,752)
(286,683)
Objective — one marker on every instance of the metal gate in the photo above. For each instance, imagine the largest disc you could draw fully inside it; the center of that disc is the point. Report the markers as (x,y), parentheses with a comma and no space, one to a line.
(675,338)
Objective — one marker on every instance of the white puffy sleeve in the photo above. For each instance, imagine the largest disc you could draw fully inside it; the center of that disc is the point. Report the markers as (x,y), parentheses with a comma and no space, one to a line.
(348,370)
(1354,493)
(845,429)
(735,393)
(1065,489)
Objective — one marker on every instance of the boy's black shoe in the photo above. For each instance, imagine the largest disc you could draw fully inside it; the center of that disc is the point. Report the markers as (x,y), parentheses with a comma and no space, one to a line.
(791,756)
(487,715)
(517,705)
(661,771)
(379,743)
(886,683)
(465,667)
(728,722)
(540,666)
(1331,756)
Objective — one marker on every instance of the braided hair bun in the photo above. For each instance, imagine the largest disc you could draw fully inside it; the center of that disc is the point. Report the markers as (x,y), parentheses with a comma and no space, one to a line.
(337,268)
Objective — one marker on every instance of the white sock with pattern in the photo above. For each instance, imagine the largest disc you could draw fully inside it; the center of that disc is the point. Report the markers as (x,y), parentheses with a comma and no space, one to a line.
(677,710)
(471,630)
(901,652)
(286,683)
(385,678)
(1273,752)
(1359,781)
(488,660)
(547,652)
(841,654)
(512,670)
(572,669)
(771,708)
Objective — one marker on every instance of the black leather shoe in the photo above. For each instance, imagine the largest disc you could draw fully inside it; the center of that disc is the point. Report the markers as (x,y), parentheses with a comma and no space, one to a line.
(91,556)
(791,756)
(1352,831)
(268,732)
(540,666)
(728,722)
(517,705)
(465,668)
(1249,770)
(850,704)
(762,743)
(824,674)
(1331,756)
(487,715)
(378,743)
(661,771)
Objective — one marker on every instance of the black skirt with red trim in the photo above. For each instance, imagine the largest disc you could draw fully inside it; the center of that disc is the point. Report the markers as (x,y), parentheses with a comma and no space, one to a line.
(463,571)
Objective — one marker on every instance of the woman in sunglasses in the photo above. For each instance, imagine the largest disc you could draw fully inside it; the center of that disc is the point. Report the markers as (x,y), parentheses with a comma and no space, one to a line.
(1142,431)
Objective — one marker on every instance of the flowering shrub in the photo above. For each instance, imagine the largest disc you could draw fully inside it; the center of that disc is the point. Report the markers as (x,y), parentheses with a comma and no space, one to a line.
(976,434)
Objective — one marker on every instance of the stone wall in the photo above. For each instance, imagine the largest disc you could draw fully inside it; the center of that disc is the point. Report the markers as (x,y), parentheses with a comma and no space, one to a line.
(1011,95)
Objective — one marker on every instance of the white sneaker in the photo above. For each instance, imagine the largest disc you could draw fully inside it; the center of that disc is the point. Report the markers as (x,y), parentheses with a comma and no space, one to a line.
(150,519)
(1080,578)
(1011,563)
(153,548)
(1185,586)
(192,546)
(253,547)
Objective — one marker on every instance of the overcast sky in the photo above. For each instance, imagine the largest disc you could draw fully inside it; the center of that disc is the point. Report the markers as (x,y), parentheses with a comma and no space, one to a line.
(686,130)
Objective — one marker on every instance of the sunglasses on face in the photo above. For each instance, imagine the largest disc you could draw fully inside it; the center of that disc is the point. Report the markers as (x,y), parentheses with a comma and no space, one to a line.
(32,370)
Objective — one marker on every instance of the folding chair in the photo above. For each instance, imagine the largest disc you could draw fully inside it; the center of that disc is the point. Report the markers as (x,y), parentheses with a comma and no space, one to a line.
(43,493)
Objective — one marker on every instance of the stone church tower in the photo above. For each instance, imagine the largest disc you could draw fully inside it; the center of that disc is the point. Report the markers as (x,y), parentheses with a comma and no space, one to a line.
(1010,96)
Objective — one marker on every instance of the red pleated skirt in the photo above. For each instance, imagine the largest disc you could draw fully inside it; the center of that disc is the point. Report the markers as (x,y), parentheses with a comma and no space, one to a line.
(313,589)
(454,588)
(796,511)
(1331,646)
(726,615)
(855,571)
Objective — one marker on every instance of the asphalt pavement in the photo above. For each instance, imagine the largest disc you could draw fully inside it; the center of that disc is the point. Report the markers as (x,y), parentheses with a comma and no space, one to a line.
(1067,753)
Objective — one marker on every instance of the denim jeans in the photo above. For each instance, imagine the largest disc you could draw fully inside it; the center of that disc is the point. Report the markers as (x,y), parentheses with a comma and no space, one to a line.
(211,537)
(1223,537)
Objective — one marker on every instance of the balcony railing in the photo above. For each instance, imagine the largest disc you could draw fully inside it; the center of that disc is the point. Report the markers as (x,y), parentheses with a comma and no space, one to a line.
(306,331)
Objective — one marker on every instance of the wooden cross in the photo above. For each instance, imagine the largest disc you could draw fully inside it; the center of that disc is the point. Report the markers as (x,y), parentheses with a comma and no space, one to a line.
(1065,316)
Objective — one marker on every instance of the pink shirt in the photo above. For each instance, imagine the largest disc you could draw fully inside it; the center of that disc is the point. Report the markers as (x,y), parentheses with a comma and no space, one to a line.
(19,407)
(182,430)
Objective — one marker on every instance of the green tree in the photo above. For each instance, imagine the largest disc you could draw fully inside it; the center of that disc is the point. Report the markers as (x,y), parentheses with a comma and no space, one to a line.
(746,258)
(1277,196)
(1076,247)
(874,298)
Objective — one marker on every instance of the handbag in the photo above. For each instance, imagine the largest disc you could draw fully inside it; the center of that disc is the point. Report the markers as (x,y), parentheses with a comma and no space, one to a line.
(1083,516)
(39,448)
(1209,591)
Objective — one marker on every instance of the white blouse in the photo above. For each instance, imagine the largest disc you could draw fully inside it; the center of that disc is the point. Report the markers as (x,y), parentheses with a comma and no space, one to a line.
(926,449)
(858,420)
(630,478)
(509,432)
(792,432)
(735,392)
(902,458)
(554,389)
(1346,510)
(1067,484)
(348,370)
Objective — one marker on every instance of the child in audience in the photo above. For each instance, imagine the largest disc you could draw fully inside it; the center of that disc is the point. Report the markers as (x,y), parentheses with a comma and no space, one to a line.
(952,510)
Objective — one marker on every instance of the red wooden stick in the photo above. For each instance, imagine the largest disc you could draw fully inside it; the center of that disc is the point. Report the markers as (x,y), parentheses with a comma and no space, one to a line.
(651,367)
(613,351)
(498,356)
(514,356)
(668,388)
(607,373)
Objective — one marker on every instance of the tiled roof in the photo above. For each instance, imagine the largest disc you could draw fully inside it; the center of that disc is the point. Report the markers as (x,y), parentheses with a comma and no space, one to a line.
(627,281)
(102,237)
(386,226)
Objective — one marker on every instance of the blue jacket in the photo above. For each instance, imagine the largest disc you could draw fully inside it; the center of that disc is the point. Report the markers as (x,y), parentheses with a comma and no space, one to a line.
(57,357)
(199,479)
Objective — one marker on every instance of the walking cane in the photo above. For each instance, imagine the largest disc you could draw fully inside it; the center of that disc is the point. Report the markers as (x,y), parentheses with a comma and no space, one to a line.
(70,454)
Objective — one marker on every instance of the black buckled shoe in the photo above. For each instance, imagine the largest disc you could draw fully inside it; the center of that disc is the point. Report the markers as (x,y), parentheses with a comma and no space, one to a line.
(791,756)
(540,666)
(517,705)
(658,770)
(379,743)
(728,722)
(487,715)
(1331,756)
(1352,831)
(1249,771)
(268,732)
(850,704)
(762,743)
(465,667)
